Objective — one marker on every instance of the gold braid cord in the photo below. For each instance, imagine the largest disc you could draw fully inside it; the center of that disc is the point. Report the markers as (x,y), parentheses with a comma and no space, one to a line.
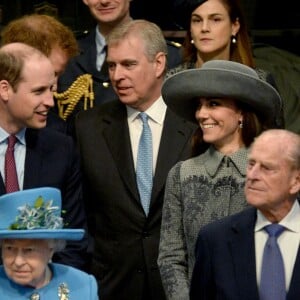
(67,101)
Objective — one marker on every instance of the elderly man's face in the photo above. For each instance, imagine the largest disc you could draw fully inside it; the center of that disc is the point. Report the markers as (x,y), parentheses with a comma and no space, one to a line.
(25,261)
(271,181)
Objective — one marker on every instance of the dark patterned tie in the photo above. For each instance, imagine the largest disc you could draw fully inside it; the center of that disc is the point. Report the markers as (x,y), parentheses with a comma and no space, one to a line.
(144,174)
(11,178)
(272,283)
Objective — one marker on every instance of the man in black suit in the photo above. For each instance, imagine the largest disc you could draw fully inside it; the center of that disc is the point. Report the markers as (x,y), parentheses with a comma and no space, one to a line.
(43,157)
(229,253)
(126,236)
(88,71)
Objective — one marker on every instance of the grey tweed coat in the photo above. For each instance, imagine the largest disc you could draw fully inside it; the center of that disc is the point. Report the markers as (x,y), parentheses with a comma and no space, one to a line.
(198,191)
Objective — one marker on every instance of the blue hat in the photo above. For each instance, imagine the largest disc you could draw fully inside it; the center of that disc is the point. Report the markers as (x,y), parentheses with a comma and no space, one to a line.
(34,214)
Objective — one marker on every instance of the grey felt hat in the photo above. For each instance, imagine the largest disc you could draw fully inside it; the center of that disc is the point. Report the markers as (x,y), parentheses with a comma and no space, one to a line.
(221,79)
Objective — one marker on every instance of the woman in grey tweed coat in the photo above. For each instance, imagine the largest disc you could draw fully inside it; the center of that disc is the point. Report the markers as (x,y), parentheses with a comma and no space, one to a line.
(232,106)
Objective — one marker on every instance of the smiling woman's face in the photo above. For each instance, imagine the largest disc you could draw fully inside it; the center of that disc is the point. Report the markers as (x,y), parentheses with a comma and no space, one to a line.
(25,261)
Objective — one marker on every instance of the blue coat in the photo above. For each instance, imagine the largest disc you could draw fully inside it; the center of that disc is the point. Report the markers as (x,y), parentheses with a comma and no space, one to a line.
(225,261)
(81,285)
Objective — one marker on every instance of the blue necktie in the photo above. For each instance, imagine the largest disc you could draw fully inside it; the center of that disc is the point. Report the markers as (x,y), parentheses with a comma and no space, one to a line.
(272,283)
(144,174)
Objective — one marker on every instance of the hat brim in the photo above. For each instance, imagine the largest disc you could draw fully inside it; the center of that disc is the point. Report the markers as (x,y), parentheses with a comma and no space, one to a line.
(43,234)
(182,91)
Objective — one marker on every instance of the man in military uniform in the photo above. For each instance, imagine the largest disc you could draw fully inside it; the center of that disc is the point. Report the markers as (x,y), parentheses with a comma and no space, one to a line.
(85,83)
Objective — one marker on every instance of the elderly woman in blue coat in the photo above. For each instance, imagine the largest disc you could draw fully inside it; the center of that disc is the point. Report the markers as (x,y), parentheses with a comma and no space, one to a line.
(31,231)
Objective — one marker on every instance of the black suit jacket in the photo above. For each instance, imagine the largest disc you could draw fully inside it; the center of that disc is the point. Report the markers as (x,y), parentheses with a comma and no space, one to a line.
(85,63)
(52,161)
(225,261)
(126,241)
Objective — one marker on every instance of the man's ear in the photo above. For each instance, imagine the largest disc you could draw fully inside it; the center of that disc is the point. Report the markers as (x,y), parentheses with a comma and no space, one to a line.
(4,90)
(161,61)
(295,185)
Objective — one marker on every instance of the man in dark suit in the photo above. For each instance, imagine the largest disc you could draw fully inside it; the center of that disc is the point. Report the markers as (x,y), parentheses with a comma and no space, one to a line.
(230,256)
(126,236)
(94,86)
(43,157)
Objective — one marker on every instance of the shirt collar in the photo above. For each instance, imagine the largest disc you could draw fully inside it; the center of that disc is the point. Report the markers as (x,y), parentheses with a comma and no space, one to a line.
(156,112)
(100,41)
(291,221)
(214,158)
(20,135)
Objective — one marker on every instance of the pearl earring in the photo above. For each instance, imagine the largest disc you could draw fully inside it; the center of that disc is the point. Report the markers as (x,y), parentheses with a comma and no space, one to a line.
(233,39)
(241,124)
(192,41)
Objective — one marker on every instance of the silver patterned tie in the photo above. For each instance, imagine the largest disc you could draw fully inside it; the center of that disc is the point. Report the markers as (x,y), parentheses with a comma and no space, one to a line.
(144,173)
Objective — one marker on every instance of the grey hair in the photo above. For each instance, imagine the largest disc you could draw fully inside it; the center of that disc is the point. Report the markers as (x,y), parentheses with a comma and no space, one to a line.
(150,34)
(54,244)
(290,141)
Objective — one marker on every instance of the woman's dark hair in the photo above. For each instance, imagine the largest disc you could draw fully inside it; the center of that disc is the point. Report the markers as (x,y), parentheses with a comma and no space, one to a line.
(241,51)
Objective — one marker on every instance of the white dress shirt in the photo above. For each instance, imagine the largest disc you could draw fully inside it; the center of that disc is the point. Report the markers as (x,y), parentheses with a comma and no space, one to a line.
(288,241)
(156,114)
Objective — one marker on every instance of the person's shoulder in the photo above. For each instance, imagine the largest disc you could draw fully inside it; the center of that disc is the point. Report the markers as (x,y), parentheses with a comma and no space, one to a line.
(105,109)
(85,38)
(74,278)
(174,54)
(68,271)
(47,138)
(222,226)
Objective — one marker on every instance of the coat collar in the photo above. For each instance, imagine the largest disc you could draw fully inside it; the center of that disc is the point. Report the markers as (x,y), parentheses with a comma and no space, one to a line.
(214,158)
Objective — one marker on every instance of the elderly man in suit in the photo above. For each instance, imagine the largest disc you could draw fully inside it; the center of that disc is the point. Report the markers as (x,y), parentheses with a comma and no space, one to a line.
(125,214)
(240,257)
(33,156)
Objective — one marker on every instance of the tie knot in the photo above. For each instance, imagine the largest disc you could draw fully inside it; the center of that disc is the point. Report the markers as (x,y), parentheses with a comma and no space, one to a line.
(144,117)
(11,141)
(274,230)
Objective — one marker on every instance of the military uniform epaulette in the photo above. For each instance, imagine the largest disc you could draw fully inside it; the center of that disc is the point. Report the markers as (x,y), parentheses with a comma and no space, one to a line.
(174,44)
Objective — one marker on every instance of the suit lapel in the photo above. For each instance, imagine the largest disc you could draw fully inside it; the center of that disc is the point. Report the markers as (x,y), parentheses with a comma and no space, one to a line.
(294,290)
(242,247)
(2,186)
(116,135)
(33,159)
(174,140)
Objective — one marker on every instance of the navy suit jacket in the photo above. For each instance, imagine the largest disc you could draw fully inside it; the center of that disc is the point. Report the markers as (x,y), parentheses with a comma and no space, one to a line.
(225,261)
(52,161)
(126,240)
